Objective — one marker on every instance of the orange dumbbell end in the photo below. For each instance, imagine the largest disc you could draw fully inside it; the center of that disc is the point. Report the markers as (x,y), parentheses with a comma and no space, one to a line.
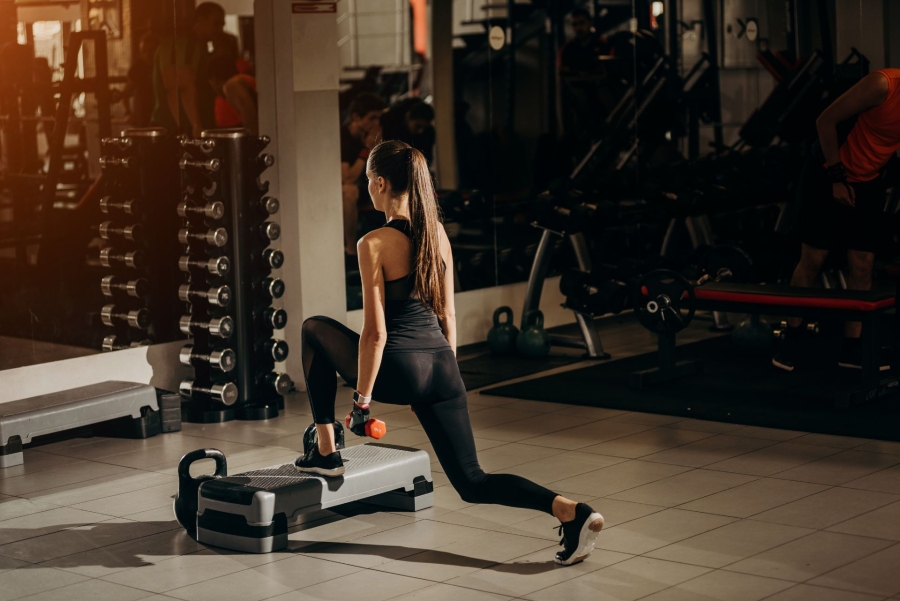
(376,428)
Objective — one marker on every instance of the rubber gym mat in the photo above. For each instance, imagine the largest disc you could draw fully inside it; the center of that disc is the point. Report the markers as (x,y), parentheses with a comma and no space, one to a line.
(734,387)
(487,369)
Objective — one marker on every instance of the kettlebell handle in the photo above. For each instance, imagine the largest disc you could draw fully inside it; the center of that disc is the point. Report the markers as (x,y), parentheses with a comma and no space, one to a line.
(184,466)
(534,318)
(503,311)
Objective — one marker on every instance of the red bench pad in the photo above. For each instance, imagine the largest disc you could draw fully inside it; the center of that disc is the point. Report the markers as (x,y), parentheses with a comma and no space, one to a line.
(791,296)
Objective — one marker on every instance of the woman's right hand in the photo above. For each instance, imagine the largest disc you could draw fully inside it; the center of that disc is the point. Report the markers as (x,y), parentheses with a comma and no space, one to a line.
(844,194)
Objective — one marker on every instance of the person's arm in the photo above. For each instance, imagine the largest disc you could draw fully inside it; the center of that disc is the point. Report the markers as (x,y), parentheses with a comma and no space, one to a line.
(240,98)
(374,331)
(448,319)
(351,172)
(868,93)
(189,96)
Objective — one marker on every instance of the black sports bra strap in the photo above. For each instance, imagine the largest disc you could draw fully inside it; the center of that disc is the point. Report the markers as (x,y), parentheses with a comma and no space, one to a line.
(401,225)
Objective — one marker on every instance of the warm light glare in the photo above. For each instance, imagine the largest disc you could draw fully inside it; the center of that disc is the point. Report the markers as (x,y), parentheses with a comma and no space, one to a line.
(44,30)
(657,8)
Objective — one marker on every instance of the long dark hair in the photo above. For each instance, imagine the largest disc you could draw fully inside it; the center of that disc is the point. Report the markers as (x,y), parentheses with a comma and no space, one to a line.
(406,170)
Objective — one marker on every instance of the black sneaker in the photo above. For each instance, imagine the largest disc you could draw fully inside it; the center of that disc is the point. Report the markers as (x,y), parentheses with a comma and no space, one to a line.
(315,463)
(788,350)
(851,355)
(579,535)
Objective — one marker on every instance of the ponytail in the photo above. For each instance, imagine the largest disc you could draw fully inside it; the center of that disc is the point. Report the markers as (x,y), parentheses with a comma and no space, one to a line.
(406,169)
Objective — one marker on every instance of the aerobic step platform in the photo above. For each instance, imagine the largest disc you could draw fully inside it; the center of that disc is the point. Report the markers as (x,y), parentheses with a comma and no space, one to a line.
(250,512)
(20,421)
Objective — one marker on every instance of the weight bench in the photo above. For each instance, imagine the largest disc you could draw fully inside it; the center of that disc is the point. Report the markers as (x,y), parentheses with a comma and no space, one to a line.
(810,303)
(250,512)
(22,420)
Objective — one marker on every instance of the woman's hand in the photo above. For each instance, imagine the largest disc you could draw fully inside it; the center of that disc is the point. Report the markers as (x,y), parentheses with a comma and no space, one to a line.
(844,194)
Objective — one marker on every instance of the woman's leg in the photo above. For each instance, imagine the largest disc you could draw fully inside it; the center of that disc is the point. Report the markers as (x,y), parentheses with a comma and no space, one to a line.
(329,347)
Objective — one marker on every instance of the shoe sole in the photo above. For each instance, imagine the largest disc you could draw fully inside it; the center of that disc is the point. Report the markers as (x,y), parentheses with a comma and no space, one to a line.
(589,533)
(855,366)
(782,366)
(338,471)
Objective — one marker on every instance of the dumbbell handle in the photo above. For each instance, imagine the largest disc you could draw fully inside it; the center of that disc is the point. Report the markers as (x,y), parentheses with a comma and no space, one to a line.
(212,210)
(216,266)
(223,327)
(134,259)
(109,344)
(129,232)
(223,360)
(120,142)
(128,206)
(137,288)
(220,296)
(126,162)
(204,145)
(208,165)
(226,393)
(136,318)
(217,237)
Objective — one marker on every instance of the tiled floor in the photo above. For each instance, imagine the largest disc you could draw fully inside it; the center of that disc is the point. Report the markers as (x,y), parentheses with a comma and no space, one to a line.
(695,511)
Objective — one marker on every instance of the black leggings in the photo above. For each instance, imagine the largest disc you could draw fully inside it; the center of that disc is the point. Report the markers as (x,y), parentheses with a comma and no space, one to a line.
(431,383)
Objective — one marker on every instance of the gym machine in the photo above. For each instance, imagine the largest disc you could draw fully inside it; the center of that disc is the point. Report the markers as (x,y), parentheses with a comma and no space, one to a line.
(140,191)
(226,231)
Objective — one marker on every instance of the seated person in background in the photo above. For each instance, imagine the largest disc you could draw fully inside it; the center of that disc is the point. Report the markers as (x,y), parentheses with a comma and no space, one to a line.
(236,100)
(359,134)
(844,198)
(581,55)
(411,121)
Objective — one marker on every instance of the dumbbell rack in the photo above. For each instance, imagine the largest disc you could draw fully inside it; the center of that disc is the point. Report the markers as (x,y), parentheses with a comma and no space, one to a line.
(231,287)
(140,185)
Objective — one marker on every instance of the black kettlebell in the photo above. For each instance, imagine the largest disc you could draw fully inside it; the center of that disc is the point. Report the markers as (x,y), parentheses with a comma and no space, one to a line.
(311,437)
(502,337)
(533,341)
(189,487)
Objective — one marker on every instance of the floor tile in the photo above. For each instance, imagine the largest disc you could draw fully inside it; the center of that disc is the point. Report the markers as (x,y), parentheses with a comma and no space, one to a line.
(700,425)
(171,453)
(301,571)
(101,488)
(647,419)
(683,488)
(445,592)
(99,447)
(774,459)
(366,584)
(45,522)
(887,480)
(435,565)
(617,478)
(881,446)
(565,465)
(509,455)
(76,473)
(587,435)
(841,468)
(646,443)
(136,553)
(488,517)
(496,416)
(767,433)
(531,427)
(8,563)
(709,450)
(344,529)
(14,507)
(37,461)
(177,572)
(827,508)
(806,592)
(875,574)
(524,575)
(32,580)
(754,497)
(883,522)
(498,547)
(658,530)
(248,585)
(729,543)
(829,440)
(625,581)
(810,556)
(722,586)
(92,589)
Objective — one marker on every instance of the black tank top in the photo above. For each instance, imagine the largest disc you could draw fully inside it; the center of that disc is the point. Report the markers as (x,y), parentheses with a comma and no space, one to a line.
(411,324)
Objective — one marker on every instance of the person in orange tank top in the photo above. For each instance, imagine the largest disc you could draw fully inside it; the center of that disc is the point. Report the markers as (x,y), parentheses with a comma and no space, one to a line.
(236,99)
(843,197)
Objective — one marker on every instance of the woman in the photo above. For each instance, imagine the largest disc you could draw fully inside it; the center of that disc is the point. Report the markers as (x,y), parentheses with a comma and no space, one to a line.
(407,351)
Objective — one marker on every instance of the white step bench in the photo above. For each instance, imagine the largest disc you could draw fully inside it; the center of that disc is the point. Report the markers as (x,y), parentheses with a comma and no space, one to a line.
(20,421)
(250,512)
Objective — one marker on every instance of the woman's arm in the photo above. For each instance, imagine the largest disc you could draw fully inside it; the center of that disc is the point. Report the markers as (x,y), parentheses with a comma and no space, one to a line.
(448,319)
(374,331)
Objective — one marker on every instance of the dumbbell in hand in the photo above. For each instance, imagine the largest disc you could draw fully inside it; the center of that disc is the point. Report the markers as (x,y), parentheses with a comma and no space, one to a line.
(223,360)
(212,210)
(223,327)
(109,257)
(219,296)
(217,237)
(217,266)
(226,393)
(361,423)
(138,288)
(137,318)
